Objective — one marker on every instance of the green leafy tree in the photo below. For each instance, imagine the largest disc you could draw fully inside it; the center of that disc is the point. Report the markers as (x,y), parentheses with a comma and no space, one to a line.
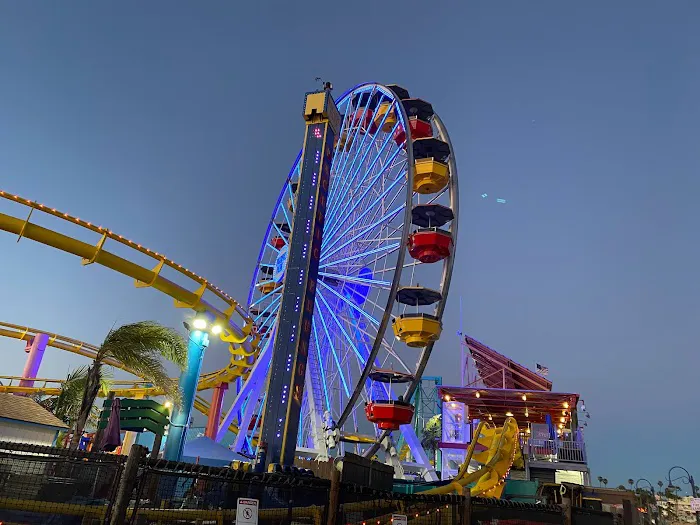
(431,436)
(621,487)
(139,347)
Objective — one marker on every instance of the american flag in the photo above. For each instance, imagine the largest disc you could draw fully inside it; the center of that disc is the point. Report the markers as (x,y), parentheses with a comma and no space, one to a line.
(542,370)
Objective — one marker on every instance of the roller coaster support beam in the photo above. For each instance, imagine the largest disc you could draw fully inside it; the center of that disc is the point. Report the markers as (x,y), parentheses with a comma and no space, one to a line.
(215,410)
(180,420)
(250,391)
(35,349)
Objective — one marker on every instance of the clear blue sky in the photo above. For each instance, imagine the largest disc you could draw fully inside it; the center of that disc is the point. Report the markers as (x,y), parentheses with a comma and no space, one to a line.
(175,123)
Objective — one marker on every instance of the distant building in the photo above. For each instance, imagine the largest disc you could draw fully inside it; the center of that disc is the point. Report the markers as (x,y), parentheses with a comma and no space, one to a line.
(23,420)
(676,511)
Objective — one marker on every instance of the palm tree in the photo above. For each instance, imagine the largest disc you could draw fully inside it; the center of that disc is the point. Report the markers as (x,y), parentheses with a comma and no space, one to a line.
(600,481)
(630,482)
(66,405)
(660,484)
(432,434)
(139,347)
(605,482)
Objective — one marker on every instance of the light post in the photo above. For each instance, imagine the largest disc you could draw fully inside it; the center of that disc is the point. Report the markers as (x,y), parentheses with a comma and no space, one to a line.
(199,330)
(688,478)
(653,494)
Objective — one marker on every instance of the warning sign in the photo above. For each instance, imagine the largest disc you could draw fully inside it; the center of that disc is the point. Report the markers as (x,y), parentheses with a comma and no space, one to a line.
(399,519)
(247,511)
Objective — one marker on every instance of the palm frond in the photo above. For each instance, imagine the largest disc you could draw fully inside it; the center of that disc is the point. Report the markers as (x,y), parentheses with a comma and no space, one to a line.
(140,346)
(66,405)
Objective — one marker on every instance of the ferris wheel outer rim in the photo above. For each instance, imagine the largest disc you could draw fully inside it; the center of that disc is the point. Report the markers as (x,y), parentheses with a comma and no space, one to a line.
(446,272)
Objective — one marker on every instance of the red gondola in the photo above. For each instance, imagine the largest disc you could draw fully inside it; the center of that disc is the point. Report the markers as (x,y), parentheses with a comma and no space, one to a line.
(277,242)
(389,415)
(420,129)
(430,245)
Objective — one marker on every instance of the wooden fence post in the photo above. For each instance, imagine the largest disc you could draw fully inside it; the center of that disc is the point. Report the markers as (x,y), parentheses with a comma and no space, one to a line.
(334,496)
(567,508)
(126,485)
(467,509)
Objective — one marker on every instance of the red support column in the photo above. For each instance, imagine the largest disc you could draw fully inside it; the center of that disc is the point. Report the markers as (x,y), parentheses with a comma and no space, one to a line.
(215,411)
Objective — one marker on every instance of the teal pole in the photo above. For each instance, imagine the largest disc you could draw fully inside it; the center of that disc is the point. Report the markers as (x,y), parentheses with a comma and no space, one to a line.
(180,420)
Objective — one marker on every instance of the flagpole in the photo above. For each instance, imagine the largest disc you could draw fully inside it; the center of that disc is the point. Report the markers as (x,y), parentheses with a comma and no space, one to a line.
(461,343)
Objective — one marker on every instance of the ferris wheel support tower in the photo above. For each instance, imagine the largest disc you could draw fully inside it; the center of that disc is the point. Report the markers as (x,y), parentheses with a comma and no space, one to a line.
(297,267)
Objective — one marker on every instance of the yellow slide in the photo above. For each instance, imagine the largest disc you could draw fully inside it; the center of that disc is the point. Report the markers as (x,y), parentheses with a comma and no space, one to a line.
(502,451)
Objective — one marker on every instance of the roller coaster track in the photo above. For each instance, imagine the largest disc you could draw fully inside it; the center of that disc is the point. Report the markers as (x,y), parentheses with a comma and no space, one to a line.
(242,340)
(52,387)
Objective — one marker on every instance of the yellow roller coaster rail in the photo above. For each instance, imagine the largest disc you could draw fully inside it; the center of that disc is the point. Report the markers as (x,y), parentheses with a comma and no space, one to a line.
(243,341)
(52,387)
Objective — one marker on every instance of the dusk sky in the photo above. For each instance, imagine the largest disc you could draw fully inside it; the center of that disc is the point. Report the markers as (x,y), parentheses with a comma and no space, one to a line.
(175,123)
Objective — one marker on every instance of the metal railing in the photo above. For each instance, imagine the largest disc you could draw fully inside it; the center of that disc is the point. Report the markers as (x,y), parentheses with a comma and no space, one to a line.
(556,451)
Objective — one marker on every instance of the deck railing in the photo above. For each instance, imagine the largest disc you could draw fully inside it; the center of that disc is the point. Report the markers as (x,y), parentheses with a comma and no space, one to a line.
(556,450)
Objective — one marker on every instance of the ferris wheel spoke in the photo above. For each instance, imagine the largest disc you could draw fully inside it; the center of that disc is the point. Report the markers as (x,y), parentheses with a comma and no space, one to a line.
(346,153)
(386,217)
(292,199)
(407,265)
(273,304)
(332,347)
(389,352)
(351,304)
(369,205)
(355,279)
(340,326)
(342,175)
(279,232)
(351,178)
(336,156)
(321,366)
(267,295)
(351,136)
(270,321)
(368,209)
(336,218)
(360,255)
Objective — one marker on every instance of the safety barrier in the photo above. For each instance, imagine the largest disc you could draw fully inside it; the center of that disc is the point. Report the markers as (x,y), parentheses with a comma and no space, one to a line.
(50,485)
(39,483)
(559,450)
(490,511)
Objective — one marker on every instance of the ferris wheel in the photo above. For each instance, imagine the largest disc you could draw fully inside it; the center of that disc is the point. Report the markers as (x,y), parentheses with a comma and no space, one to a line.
(385,266)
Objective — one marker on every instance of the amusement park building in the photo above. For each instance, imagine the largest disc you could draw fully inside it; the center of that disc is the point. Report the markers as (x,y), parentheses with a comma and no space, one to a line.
(551,434)
(23,420)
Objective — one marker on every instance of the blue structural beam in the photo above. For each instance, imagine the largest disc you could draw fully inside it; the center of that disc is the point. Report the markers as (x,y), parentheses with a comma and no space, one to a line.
(179,422)
(285,388)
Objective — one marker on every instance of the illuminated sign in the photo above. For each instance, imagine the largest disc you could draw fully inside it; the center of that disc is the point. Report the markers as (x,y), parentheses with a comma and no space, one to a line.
(280,265)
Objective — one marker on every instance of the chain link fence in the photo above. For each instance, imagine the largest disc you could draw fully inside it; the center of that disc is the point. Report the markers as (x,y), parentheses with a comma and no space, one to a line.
(41,484)
(491,511)
(168,492)
(362,506)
